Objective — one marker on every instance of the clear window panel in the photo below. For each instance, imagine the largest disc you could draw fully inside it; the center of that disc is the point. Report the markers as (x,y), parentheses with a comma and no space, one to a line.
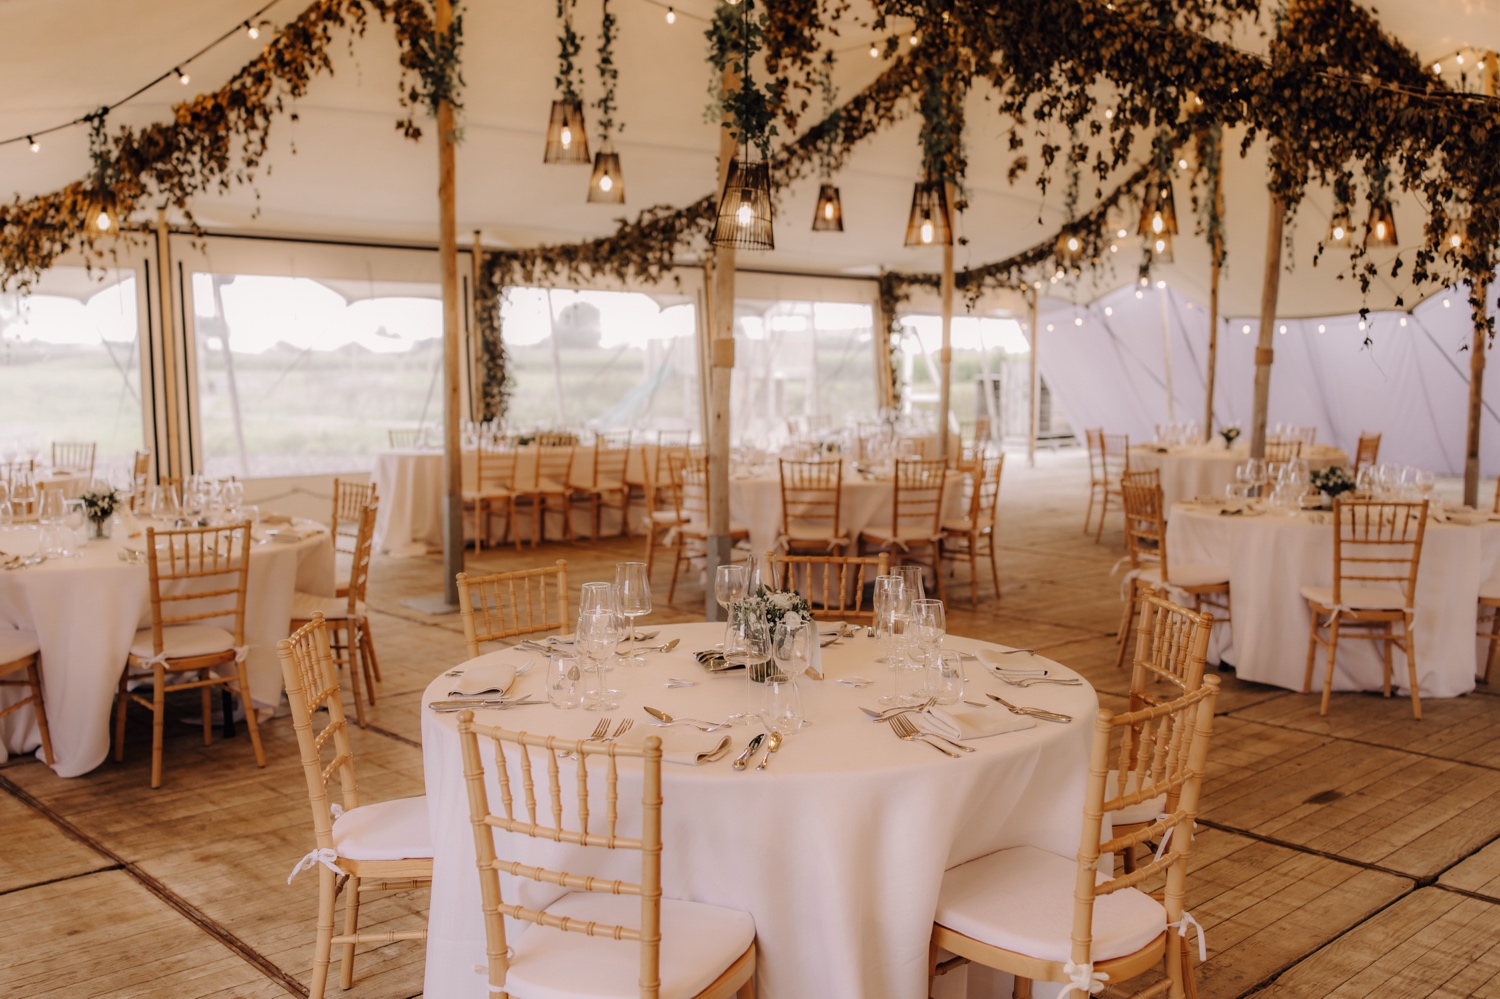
(298,376)
(601,360)
(803,363)
(70,365)
(990,375)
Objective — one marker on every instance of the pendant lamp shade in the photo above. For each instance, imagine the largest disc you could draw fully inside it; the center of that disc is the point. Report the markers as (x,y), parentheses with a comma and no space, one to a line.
(100,215)
(829,215)
(1159,212)
(1161,248)
(929,223)
(1381,229)
(1069,249)
(567,142)
(744,219)
(607,185)
(1340,231)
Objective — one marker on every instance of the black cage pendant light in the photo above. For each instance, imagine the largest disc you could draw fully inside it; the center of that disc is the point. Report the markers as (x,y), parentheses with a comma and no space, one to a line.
(607,185)
(829,215)
(1159,212)
(567,142)
(929,223)
(744,218)
(1340,231)
(1381,230)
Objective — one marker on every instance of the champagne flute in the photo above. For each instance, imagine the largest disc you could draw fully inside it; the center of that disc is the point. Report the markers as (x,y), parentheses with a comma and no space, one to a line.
(633,587)
(929,623)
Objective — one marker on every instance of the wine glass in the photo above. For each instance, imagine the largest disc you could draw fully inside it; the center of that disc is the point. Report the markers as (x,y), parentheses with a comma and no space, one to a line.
(730,583)
(929,623)
(911,575)
(747,643)
(780,707)
(7,511)
(1425,481)
(633,587)
(890,608)
(73,520)
(1258,474)
(598,597)
(232,498)
(792,646)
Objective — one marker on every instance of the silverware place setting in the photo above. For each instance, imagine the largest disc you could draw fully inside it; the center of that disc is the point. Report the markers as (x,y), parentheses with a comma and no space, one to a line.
(1014,709)
(482,704)
(907,732)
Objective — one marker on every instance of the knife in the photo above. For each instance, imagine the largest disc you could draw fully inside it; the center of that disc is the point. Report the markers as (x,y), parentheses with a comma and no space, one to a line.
(743,760)
(481,703)
(1034,712)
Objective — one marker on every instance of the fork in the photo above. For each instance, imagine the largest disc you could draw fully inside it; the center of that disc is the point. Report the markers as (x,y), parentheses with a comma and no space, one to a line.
(906,732)
(600,731)
(621,729)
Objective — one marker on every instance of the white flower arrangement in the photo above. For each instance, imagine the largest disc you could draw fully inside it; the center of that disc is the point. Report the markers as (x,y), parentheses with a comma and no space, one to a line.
(781,605)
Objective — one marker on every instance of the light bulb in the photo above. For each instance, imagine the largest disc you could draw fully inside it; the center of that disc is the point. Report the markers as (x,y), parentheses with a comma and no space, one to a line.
(1161,284)
(1245,328)
(745,214)
(1109,310)
(1437,67)
(252,30)
(828,210)
(1361,324)
(1050,327)
(1161,245)
(567,137)
(1380,230)
(36,146)
(1455,240)
(1109,113)
(1282,330)
(103,222)
(1078,321)
(1139,294)
(1338,232)
(182,77)
(1447,303)
(927,230)
(1157,225)
(1073,244)
(606,183)
(1322,328)
(1460,58)
(1145,282)
(1121,234)
(1197,100)
(914,39)
(874,52)
(671,16)
(1182,164)
(1403,320)
(1114,248)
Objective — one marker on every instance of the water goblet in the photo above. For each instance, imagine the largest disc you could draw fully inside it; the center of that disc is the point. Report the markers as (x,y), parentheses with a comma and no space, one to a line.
(780,707)
(929,624)
(747,643)
(633,587)
(912,576)
(792,646)
(597,696)
(730,583)
(598,597)
(564,682)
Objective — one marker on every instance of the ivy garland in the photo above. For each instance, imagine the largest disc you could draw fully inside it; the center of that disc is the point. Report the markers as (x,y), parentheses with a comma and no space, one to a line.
(609,73)
(569,79)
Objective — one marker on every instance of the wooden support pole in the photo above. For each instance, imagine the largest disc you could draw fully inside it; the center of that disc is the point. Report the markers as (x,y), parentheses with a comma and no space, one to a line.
(476,377)
(1166,352)
(1034,417)
(172,463)
(453,485)
(945,356)
(1216,251)
(1481,291)
(885,375)
(1263,352)
(721,377)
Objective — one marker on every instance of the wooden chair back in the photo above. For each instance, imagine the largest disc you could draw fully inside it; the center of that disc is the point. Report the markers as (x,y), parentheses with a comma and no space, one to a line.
(554,465)
(1114,457)
(1367,452)
(510,604)
(915,447)
(1157,750)
(75,455)
(1283,449)
(1145,520)
(674,438)
(312,684)
(690,488)
(494,471)
(359,570)
(917,502)
(826,582)
(1171,647)
(811,494)
(556,438)
(1307,435)
(404,437)
(984,492)
(1377,543)
(611,456)
(547,823)
(350,500)
(192,566)
(1095,444)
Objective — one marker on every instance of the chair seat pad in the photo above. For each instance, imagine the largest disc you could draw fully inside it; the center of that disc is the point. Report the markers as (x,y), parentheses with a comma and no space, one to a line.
(668,517)
(1145,811)
(304,605)
(698,529)
(384,830)
(1488,590)
(1189,574)
(1022,900)
(910,535)
(181,641)
(1357,597)
(495,492)
(16,645)
(698,943)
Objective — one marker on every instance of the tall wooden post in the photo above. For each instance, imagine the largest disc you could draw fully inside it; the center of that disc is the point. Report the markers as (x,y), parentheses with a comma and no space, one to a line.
(721,374)
(476,380)
(453,484)
(1166,353)
(945,356)
(1034,418)
(1216,251)
(174,462)
(1264,355)
(885,388)
(1481,291)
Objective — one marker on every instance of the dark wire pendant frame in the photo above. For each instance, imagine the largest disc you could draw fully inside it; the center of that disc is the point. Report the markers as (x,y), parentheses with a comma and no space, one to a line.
(1380,211)
(749,185)
(929,204)
(828,216)
(607,165)
(567,115)
(1159,197)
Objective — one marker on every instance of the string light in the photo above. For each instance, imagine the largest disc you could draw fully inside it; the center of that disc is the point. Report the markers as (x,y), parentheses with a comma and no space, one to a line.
(1460,58)
(1139,294)
(182,77)
(1109,310)
(36,146)
(1078,321)
(1403,320)
(874,52)
(1283,329)
(1437,67)
(1121,234)
(1361,324)
(1245,328)
(1160,285)
(1321,328)
(914,40)
(1114,248)
(1447,303)
(1109,113)
(671,15)
(252,31)
(1182,164)
(1050,327)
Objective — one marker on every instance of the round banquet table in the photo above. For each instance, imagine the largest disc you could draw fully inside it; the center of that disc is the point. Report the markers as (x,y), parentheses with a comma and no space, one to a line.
(755,501)
(86,611)
(837,849)
(1193,470)
(1272,556)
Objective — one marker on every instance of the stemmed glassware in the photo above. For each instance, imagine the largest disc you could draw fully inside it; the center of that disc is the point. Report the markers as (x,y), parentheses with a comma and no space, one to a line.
(633,590)
(792,646)
(7,510)
(595,641)
(892,606)
(911,575)
(50,521)
(729,584)
(73,520)
(747,643)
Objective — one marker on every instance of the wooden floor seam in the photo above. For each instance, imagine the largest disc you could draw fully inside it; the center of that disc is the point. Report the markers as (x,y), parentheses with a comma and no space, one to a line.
(1235,714)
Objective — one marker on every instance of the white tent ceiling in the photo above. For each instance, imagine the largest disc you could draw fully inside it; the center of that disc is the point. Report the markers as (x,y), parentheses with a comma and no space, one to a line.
(343,170)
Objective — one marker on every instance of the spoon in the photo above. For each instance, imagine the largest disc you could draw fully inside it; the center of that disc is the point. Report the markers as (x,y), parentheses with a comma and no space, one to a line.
(774,744)
(743,760)
(657,648)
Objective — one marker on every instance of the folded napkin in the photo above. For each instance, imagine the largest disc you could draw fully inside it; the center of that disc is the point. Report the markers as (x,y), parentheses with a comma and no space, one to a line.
(275,518)
(1012,662)
(484,675)
(713,661)
(683,744)
(978,723)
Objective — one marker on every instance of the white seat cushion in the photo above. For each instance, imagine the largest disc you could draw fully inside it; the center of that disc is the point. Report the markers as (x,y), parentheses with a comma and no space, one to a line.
(333,608)
(385,830)
(1022,900)
(1358,597)
(1189,574)
(909,535)
(698,943)
(179,641)
(664,516)
(1146,811)
(16,645)
(1489,589)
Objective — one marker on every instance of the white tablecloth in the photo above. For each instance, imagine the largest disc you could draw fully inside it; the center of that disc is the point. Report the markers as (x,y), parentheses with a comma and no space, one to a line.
(755,501)
(409,482)
(837,850)
(1271,558)
(1205,469)
(86,611)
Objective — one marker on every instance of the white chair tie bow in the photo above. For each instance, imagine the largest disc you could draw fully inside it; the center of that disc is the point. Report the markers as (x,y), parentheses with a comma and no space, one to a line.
(327,858)
(337,810)
(1181,926)
(1166,838)
(160,659)
(1084,978)
(241,653)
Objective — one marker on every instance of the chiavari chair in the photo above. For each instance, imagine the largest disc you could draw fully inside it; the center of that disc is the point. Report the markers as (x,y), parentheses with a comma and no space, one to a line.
(140,474)
(691,496)
(607,486)
(404,437)
(347,617)
(974,534)
(1150,570)
(20,653)
(833,593)
(361,848)
(547,488)
(1367,453)
(196,574)
(510,604)
(686,949)
(492,489)
(812,495)
(1377,549)
(349,502)
(1045,917)
(75,457)
(1098,483)
(1280,450)
(1114,462)
(916,516)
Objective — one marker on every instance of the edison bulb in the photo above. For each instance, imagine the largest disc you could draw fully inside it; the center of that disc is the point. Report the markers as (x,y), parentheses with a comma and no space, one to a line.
(926,230)
(36,146)
(606,183)
(874,52)
(1338,232)
(1455,240)
(828,210)
(1121,234)
(253,31)
(1380,230)
(745,214)
(1073,244)
(1078,322)
(1109,310)
(1157,225)
(103,222)
(1161,245)
(184,78)
(671,16)
(1114,248)
(567,137)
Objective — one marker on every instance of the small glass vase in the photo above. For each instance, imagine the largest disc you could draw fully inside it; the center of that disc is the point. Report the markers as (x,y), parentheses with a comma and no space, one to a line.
(100,529)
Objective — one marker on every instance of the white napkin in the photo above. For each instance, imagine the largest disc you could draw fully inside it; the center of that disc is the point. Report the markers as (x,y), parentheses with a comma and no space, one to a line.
(486,674)
(682,744)
(1015,663)
(978,723)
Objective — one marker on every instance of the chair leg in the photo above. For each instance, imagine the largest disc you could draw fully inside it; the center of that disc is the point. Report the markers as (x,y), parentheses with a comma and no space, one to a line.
(994,565)
(1333,648)
(344,637)
(122,701)
(1125,625)
(1312,653)
(208,709)
(746,991)
(1387,658)
(252,721)
(973,571)
(372,675)
(1022,989)
(40,708)
(1103,514)
(323,943)
(1411,668)
(676,568)
(1089,513)
(1489,662)
(351,927)
(158,720)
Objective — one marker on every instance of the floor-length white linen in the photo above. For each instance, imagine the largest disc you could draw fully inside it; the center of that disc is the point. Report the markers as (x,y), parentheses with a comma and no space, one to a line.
(86,611)
(837,849)
(1190,471)
(755,501)
(1271,558)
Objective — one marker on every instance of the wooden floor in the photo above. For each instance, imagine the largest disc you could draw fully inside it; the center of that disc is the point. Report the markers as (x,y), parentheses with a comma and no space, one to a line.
(1348,856)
